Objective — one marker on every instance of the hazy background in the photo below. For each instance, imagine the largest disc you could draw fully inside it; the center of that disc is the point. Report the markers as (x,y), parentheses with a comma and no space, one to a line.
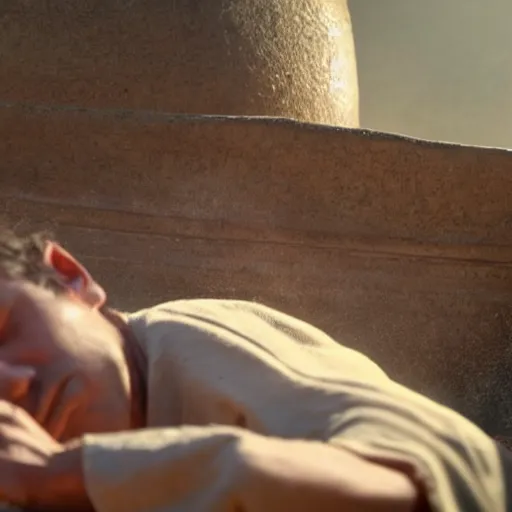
(436,69)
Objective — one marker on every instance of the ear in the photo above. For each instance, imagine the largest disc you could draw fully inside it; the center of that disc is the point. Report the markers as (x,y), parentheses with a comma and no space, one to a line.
(78,280)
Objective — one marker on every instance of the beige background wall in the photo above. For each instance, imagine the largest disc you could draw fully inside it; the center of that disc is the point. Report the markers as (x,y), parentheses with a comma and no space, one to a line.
(437,69)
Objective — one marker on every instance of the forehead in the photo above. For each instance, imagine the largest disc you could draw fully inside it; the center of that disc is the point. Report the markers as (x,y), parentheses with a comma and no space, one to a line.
(9,287)
(20,292)
(38,316)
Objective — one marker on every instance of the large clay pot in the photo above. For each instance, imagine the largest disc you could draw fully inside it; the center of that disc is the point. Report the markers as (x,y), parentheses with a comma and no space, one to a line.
(290,58)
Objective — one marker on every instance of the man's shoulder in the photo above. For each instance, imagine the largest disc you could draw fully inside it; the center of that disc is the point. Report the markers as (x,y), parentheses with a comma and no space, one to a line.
(199,313)
(247,321)
(201,306)
(240,315)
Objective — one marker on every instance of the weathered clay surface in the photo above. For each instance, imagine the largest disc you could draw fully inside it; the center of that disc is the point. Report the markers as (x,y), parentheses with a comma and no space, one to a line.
(399,248)
(290,58)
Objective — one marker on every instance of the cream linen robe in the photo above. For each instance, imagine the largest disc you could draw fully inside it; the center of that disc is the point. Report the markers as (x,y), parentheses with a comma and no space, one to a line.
(218,369)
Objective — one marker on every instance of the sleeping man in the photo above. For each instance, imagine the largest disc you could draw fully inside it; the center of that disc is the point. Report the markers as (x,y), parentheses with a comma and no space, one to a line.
(210,405)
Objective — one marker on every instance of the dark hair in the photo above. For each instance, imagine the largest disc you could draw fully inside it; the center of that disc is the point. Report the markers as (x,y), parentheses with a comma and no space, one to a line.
(22,257)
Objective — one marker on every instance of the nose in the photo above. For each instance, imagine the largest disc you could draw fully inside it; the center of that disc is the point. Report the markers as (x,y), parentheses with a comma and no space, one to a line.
(14,381)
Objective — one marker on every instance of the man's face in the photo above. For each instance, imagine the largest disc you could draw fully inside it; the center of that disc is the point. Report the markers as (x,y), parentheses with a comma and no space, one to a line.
(62,362)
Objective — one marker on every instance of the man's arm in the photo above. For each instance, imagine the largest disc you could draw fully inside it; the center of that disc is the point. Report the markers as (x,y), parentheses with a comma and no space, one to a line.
(219,468)
(305,476)
(209,468)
